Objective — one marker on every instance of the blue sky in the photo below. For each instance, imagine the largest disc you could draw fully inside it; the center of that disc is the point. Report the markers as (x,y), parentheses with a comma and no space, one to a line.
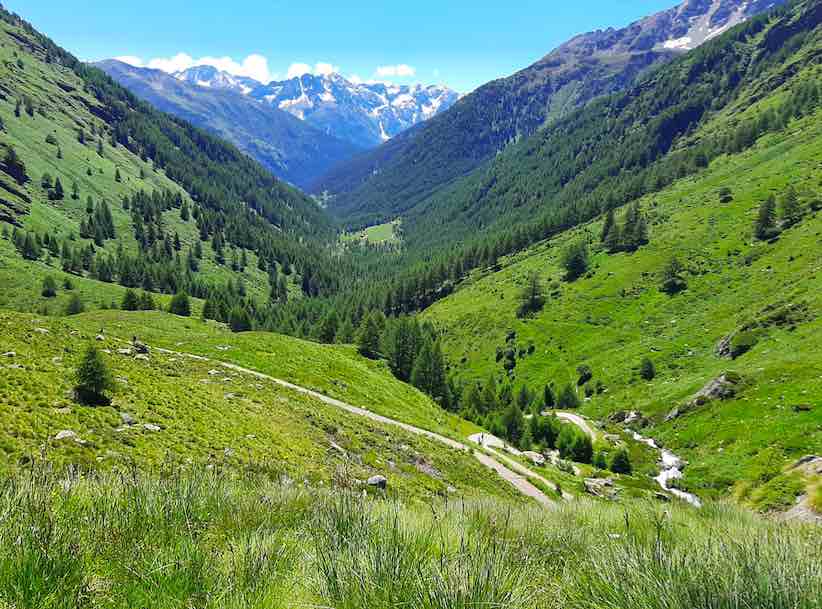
(457,42)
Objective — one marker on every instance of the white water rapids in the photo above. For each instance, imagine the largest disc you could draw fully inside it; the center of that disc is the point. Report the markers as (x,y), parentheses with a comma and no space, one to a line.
(671,469)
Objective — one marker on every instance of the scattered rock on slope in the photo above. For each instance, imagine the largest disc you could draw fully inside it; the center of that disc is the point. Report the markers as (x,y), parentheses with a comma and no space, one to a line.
(721,388)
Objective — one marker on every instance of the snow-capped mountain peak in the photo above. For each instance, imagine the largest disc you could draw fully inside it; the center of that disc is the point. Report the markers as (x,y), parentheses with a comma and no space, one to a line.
(213,78)
(365,113)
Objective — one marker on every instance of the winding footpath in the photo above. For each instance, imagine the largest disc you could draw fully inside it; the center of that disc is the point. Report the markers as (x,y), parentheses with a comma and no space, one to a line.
(517,480)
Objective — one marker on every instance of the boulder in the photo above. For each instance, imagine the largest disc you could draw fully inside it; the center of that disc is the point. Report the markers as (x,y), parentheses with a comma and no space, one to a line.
(140,347)
(67,434)
(810,465)
(724,348)
(142,357)
(151,427)
(380,482)
(536,458)
(662,497)
(100,337)
(127,419)
(600,487)
(802,407)
(125,351)
(617,417)
(9,354)
(723,387)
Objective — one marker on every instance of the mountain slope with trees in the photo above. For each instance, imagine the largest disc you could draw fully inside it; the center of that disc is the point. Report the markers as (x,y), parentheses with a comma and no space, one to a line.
(100,186)
(291,149)
(383,184)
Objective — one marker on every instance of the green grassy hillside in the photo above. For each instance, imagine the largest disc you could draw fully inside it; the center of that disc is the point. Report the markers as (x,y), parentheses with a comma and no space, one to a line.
(206,539)
(209,415)
(64,120)
(616,315)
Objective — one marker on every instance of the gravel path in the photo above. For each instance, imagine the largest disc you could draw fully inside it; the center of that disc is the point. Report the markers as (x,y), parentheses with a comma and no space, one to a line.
(578,421)
(518,481)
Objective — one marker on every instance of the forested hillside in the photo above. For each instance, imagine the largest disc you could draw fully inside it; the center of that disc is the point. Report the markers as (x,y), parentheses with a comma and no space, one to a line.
(98,185)
(290,148)
(381,185)
(714,101)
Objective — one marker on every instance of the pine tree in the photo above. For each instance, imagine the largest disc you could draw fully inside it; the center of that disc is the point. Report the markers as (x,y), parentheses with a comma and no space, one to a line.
(568,397)
(117,176)
(672,281)
(791,211)
(607,226)
(575,260)
(93,378)
(49,287)
(422,374)
(368,337)
(130,302)
(531,299)
(621,462)
(647,369)
(514,423)
(328,327)
(180,305)
(146,302)
(345,334)
(765,227)
(239,320)
(58,193)
(75,305)
(549,398)
(488,400)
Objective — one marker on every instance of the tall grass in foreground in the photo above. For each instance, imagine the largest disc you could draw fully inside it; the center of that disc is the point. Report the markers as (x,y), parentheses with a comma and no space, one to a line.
(201,538)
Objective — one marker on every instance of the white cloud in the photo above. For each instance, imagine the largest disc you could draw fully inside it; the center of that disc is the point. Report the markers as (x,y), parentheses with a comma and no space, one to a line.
(401,70)
(254,66)
(131,60)
(321,68)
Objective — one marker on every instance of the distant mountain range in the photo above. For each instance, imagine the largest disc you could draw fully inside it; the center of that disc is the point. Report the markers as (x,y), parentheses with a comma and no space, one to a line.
(298,128)
(367,114)
(288,147)
(393,178)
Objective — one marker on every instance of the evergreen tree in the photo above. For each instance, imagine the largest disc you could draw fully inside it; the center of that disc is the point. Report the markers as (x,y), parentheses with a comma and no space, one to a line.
(531,299)
(75,305)
(345,334)
(765,227)
(180,305)
(647,369)
(57,193)
(30,250)
(146,302)
(239,320)
(14,166)
(328,327)
(131,301)
(49,287)
(368,337)
(575,260)
(672,281)
(607,226)
(621,462)
(488,400)
(549,398)
(184,212)
(117,176)
(93,378)
(422,374)
(514,424)
(791,209)
(568,397)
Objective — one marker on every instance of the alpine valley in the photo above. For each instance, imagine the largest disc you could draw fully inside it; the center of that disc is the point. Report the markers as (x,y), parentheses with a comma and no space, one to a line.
(555,343)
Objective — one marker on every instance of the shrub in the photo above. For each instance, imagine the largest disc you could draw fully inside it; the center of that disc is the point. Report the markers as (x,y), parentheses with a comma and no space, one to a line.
(180,305)
(49,287)
(93,378)
(621,462)
(75,305)
(585,374)
(131,302)
(576,260)
(568,398)
(575,445)
(672,281)
(239,320)
(647,370)
(742,342)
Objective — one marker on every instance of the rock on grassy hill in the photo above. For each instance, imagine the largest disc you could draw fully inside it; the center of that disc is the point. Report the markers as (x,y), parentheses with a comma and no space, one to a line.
(169,410)
(765,295)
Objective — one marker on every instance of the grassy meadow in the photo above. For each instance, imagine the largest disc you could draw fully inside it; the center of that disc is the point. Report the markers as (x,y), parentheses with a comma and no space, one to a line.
(205,538)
